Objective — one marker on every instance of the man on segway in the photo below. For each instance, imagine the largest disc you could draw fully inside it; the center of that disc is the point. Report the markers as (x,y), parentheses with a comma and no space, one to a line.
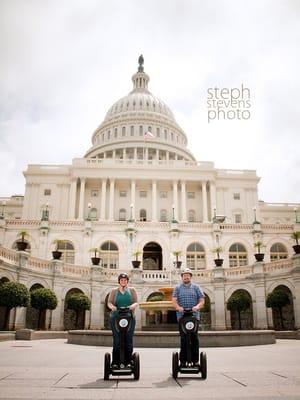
(120,298)
(188,296)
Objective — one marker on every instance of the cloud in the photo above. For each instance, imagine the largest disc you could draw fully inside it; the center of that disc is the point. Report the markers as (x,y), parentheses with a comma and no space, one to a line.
(63,66)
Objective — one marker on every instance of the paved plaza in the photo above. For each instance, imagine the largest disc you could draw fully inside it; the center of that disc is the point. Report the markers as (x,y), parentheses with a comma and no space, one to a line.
(53,369)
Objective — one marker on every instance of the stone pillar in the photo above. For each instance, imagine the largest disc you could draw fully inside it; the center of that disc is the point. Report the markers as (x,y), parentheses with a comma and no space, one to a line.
(81,198)
(183,202)
(103,200)
(57,315)
(260,320)
(204,202)
(219,290)
(154,201)
(213,199)
(132,197)
(175,199)
(20,318)
(111,199)
(72,204)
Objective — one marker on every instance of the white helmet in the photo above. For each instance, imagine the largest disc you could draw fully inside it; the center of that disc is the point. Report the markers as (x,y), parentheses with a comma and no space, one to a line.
(186,271)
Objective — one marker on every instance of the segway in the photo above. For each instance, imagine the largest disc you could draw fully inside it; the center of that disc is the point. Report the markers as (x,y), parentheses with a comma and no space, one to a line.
(189,324)
(122,324)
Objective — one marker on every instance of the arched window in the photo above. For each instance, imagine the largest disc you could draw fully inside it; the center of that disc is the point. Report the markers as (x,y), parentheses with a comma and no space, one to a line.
(123,131)
(192,216)
(110,255)
(237,255)
(163,215)
(278,252)
(132,130)
(68,251)
(122,214)
(195,256)
(143,215)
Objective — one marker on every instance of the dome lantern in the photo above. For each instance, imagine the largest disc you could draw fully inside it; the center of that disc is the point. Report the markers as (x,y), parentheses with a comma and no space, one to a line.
(140,79)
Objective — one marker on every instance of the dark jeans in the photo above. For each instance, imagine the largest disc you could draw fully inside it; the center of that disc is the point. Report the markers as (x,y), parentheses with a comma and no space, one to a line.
(116,342)
(194,346)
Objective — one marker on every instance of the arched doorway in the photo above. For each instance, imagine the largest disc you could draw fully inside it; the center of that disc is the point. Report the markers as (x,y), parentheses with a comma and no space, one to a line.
(244,317)
(70,315)
(152,256)
(32,314)
(2,309)
(205,315)
(288,317)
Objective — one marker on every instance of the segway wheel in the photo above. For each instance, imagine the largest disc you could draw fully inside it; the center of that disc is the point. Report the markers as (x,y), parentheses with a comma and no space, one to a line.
(106,366)
(203,365)
(175,365)
(136,366)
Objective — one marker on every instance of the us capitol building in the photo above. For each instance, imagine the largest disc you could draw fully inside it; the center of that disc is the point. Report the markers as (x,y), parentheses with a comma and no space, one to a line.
(138,189)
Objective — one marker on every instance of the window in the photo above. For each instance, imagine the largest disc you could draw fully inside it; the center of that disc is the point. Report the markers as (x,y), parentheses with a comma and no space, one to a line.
(141,130)
(123,193)
(110,255)
(116,132)
(236,196)
(278,252)
(190,195)
(172,136)
(122,214)
(108,135)
(93,214)
(157,132)
(163,195)
(195,256)
(94,193)
(143,215)
(192,216)
(123,131)
(47,192)
(163,215)
(132,131)
(166,134)
(238,218)
(143,193)
(237,255)
(68,251)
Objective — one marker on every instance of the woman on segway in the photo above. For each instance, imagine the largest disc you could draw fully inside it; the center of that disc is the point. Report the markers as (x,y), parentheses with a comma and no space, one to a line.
(188,295)
(122,297)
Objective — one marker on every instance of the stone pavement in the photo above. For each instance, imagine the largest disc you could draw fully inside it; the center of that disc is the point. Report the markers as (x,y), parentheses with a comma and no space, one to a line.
(53,369)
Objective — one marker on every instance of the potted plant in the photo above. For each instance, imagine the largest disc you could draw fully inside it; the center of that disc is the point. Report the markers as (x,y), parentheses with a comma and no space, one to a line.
(259,256)
(57,253)
(296,237)
(136,263)
(178,263)
(21,244)
(95,258)
(218,261)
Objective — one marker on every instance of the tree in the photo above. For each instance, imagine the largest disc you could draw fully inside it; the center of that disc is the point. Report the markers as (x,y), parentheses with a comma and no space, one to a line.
(78,302)
(13,294)
(43,299)
(277,300)
(239,302)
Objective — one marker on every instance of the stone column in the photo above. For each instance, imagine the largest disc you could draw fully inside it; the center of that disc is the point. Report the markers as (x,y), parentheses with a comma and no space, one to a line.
(81,198)
(111,199)
(260,320)
(296,281)
(175,199)
(57,316)
(183,202)
(204,202)
(20,318)
(72,204)
(132,197)
(103,200)
(218,283)
(154,201)
(213,199)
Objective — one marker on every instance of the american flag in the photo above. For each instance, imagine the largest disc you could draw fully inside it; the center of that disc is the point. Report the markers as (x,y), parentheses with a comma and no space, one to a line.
(148,135)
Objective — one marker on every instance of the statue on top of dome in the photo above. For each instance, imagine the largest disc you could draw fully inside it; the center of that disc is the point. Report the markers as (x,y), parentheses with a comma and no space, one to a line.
(141,63)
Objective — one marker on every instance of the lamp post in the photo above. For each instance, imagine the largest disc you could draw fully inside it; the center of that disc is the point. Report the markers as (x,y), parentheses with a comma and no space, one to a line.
(2,215)
(215,214)
(296,215)
(254,211)
(173,212)
(131,212)
(89,211)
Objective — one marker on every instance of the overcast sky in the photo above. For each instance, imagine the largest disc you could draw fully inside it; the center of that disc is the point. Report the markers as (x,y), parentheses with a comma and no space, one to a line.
(64,63)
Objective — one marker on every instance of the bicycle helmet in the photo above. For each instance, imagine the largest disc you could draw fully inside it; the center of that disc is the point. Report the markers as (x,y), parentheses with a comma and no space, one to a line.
(186,271)
(123,275)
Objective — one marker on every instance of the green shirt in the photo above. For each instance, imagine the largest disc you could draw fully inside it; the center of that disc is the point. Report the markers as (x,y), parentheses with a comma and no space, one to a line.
(123,299)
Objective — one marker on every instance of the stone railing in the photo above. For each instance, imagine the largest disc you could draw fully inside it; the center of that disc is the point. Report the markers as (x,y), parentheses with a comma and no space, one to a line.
(278,266)
(164,276)
(39,264)
(238,272)
(76,270)
(9,254)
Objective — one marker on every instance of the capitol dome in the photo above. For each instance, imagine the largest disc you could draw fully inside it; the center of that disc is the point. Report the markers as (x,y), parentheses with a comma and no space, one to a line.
(137,121)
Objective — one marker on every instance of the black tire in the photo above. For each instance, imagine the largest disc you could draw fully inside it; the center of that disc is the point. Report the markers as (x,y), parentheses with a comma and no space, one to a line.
(136,366)
(106,366)
(175,365)
(203,365)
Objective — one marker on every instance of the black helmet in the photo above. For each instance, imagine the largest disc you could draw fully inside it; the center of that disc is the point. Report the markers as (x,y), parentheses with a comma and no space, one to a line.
(123,275)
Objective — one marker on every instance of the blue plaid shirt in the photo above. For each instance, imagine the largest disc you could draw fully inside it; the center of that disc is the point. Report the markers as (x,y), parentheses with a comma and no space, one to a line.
(188,296)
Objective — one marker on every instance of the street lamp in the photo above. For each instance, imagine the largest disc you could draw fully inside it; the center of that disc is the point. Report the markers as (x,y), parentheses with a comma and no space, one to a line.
(89,211)
(254,211)
(2,215)
(296,215)
(173,212)
(131,212)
